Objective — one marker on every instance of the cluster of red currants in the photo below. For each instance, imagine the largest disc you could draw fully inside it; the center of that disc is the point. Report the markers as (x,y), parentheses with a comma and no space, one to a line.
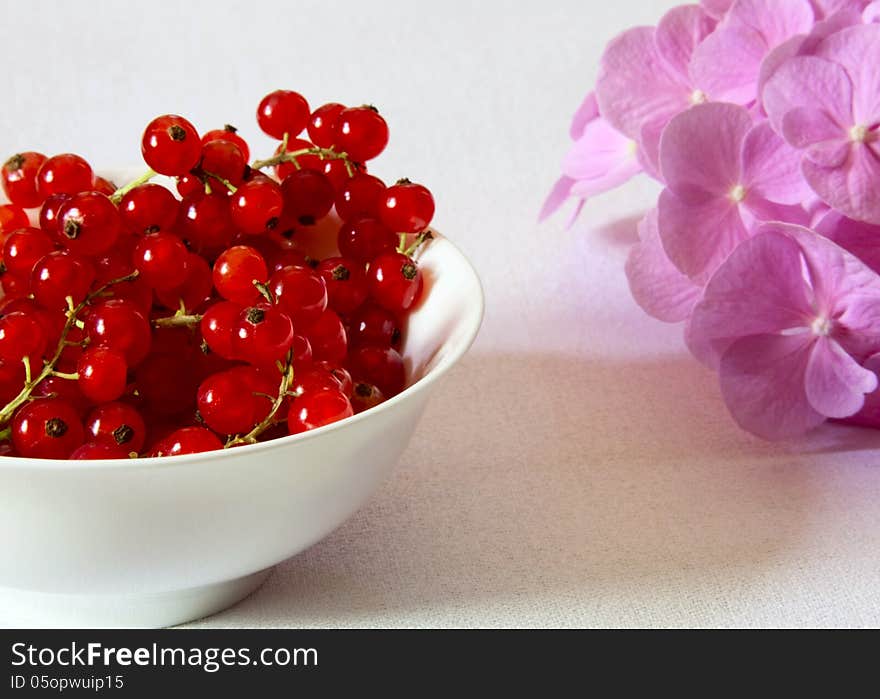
(134,321)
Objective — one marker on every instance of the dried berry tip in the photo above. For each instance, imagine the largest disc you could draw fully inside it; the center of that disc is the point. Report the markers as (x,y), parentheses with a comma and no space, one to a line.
(56,427)
(255,315)
(123,434)
(177,133)
(340,273)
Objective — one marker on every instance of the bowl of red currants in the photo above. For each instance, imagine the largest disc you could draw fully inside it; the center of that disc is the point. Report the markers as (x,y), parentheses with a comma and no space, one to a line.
(207,366)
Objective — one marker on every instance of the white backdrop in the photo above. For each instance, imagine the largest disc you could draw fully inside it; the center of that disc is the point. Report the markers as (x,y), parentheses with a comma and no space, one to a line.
(578,468)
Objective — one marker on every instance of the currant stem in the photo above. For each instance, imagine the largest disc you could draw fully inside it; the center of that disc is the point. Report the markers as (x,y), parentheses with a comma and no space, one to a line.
(291,157)
(269,420)
(178,320)
(226,183)
(31,382)
(61,375)
(116,197)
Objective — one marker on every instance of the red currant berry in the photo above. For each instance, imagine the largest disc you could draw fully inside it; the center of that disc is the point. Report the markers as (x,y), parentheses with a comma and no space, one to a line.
(196,287)
(88,224)
(288,257)
(235,272)
(314,410)
(12,218)
(322,124)
(380,366)
(118,425)
(94,451)
(102,374)
(283,112)
(327,337)
(256,206)
(365,396)
(119,325)
(374,325)
(64,174)
(308,161)
(103,186)
(361,132)
(24,248)
(364,239)
(149,208)
(61,274)
(217,326)
(346,283)
(339,374)
(19,178)
(230,134)
(360,196)
(300,293)
(308,196)
(72,350)
(167,384)
(49,213)
(407,207)
(225,160)
(57,387)
(171,145)
(11,380)
(234,401)
(187,185)
(14,286)
(49,428)
(22,335)
(204,221)
(161,260)
(336,173)
(262,335)
(395,282)
(189,440)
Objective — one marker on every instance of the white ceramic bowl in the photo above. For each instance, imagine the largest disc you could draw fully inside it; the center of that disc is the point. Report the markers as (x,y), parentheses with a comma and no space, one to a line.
(156,542)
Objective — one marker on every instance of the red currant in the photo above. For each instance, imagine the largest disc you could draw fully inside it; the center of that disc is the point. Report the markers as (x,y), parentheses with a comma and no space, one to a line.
(161,260)
(49,213)
(235,272)
(380,366)
(395,282)
(308,161)
(64,174)
(225,160)
(118,425)
(308,196)
(119,325)
(361,132)
(188,440)
(407,207)
(314,410)
(189,184)
(365,396)
(149,208)
(346,283)
(234,401)
(103,186)
(256,206)
(19,178)
(88,224)
(12,217)
(217,327)
(102,374)
(196,287)
(322,124)
(94,451)
(204,221)
(57,387)
(360,196)
(283,112)
(167,384)
(49,428)
(374,325)
(300,293)
(327,337)
(22,335)
(61,274)
(230,134)
(262,335)
(24,248)
(171,145)
(364,239)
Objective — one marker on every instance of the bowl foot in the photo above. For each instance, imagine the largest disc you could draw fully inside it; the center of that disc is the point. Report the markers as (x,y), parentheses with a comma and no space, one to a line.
(23,609)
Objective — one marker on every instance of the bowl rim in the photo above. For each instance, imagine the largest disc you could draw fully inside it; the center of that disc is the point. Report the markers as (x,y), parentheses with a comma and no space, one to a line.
(436,372)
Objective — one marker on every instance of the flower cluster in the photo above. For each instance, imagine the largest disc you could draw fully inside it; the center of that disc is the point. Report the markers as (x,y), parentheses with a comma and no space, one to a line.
(761,120)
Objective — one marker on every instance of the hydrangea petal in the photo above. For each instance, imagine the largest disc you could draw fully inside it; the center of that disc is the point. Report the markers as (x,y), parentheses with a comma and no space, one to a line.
(763,385)
(824,8)
(857,50)
(835,383)
(771,168)
(716,8)
(679,32)
(852,188)
(815,131)
(869,415)
(656,285)
(775,20)
(872,13)
(759,289)
(587,112)
(808,81)
(636,84)
(858,238)
(700,150)
(598,151)
(699,237)
(726,65)
(557,197)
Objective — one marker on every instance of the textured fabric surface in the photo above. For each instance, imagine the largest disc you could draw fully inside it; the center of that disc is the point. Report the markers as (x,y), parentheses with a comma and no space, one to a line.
(577,468)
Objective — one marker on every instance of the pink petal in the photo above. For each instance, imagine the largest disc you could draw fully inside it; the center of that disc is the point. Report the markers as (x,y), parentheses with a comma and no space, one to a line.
(762,382)
(636,84)
(771,168)
(852,188)
(755,211)
(700,150)
(726,65)
(587,112)
(649,146)
(698,237)
(857,50)
(679,32)
(818,133)
(869,415)
(557,197)
(824,8)
(775,20)
(835,383)
(759,289)
(857,238)
(716,8)
(807,81)
(656,285)
(599,150)
(871,13)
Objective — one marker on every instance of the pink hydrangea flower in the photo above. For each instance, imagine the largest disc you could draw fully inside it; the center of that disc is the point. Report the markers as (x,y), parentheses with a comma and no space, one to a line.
(723,174)
(600,160)
(644,78)
(826,8)
(860,239)
(727,64)
(716,8)
(871,13)
(828,106)
(788,321)
(656,285)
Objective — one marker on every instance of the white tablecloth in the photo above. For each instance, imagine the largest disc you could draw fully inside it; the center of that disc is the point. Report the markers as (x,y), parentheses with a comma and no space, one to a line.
(578,468)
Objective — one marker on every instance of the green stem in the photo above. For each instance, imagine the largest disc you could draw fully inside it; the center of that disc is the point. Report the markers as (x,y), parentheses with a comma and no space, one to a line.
(291,157)
(251,437)
(226,183)
(116,197)
(178,320)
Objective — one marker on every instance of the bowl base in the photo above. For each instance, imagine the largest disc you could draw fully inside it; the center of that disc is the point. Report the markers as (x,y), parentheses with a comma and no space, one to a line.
(23,609)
